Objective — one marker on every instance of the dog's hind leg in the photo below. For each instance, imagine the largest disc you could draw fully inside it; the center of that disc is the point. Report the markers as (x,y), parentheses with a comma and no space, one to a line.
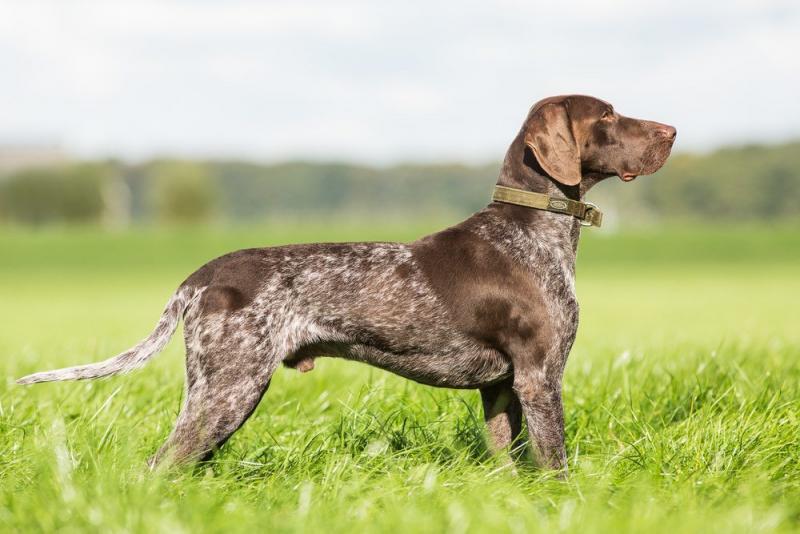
(227,373)
(216,405)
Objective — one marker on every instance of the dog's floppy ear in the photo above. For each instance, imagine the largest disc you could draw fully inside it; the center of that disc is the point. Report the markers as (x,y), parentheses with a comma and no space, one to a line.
(549,135)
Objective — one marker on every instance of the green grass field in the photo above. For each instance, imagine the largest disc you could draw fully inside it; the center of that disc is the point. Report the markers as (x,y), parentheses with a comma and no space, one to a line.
(681,399)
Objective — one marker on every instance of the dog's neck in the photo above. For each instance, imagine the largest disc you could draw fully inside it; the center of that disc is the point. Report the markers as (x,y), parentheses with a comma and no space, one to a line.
(521,170)
(529,235)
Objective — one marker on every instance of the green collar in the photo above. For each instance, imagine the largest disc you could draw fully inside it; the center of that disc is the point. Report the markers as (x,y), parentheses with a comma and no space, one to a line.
(586,212)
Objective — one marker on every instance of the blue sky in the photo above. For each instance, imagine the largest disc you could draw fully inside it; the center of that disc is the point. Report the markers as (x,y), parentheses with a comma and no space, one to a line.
(382,82)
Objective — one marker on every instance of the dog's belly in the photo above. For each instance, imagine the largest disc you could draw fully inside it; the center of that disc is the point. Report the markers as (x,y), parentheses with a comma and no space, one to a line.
(469,369)
(472,368)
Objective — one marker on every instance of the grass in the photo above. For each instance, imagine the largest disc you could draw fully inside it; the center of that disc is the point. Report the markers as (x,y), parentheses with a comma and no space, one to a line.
(681,399)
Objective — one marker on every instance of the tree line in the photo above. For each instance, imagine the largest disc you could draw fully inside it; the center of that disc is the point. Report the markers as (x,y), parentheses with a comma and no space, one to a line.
(746,183)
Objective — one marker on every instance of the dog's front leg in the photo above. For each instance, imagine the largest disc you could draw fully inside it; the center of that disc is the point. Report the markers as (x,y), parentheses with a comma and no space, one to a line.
(503,415)
(540,398)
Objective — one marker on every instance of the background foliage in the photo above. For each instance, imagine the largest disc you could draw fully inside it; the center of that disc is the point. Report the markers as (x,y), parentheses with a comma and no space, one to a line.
(731,184)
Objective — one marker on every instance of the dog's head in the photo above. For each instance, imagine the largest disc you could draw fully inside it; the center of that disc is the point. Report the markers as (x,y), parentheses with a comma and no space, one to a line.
(575,135)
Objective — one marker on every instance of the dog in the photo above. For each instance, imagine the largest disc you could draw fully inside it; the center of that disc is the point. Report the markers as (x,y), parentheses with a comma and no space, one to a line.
(487,304)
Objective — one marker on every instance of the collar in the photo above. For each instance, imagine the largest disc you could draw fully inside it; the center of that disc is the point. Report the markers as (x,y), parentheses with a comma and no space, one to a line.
(586,212)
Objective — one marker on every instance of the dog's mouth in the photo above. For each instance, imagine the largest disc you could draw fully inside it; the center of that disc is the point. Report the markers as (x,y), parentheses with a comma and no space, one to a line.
(652,160)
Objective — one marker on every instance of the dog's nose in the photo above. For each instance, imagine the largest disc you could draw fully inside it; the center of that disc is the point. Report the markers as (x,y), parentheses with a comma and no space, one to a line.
(666,131)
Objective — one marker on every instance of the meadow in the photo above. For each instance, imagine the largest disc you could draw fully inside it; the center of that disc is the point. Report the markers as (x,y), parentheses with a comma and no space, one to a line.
(682,399)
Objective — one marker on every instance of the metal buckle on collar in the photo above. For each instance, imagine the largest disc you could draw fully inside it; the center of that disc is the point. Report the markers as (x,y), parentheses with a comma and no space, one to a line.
(591,216)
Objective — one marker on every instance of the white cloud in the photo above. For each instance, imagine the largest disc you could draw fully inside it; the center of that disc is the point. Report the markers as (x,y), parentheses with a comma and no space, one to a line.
(382,82)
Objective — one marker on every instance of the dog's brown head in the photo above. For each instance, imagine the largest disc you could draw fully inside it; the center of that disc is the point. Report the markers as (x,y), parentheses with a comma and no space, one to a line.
(575,135)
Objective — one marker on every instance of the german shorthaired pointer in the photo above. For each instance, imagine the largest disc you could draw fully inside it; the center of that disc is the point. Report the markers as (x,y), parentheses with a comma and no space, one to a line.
(488,304)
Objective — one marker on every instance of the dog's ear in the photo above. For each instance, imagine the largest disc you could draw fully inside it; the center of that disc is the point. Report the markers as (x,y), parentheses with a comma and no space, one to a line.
(549,135)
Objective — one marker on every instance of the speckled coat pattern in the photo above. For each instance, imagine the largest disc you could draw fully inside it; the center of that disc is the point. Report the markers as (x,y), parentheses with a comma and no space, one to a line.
(488,304)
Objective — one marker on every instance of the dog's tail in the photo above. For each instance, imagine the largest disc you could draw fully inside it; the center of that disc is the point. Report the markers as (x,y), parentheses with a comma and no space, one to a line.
(132,358)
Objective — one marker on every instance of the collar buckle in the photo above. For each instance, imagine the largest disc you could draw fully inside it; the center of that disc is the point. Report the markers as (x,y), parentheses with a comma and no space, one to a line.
(592,216)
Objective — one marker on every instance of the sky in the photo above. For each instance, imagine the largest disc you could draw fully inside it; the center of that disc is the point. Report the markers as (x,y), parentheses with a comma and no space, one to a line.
(384,82)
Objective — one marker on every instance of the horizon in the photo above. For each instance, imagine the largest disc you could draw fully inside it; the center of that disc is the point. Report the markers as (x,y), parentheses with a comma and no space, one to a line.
(51,149)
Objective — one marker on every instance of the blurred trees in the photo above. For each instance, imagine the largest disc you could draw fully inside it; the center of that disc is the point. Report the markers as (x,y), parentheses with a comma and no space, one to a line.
(64,194)
(732,184)
(750,182)
(181,191)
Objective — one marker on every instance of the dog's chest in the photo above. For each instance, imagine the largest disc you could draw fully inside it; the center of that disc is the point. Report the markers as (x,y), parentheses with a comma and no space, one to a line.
(547,255)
